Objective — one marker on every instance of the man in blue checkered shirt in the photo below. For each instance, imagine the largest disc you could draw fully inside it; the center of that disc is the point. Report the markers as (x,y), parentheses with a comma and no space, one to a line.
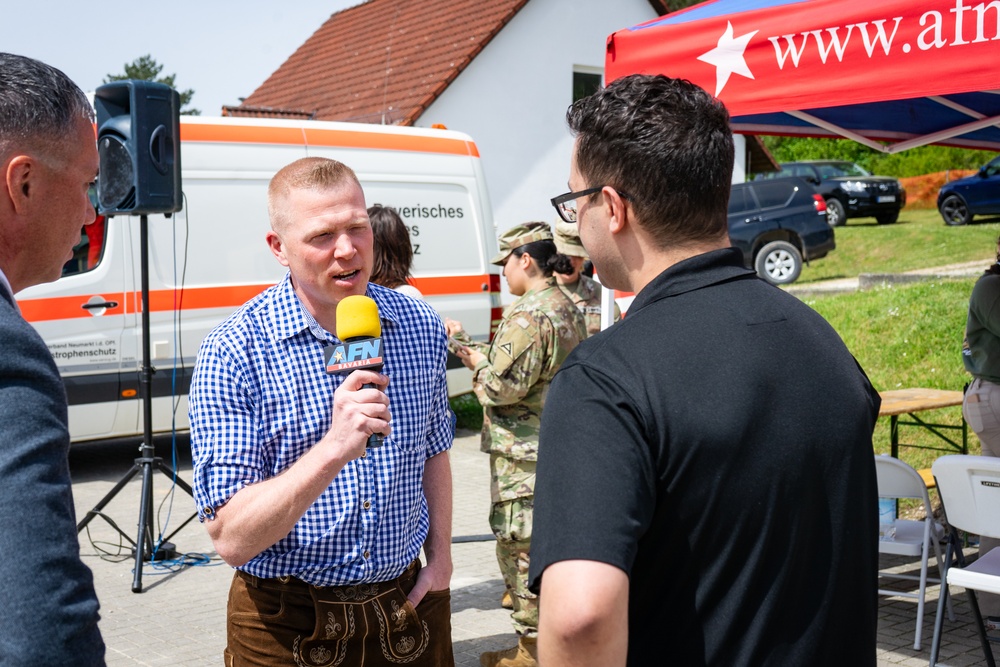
(324,532)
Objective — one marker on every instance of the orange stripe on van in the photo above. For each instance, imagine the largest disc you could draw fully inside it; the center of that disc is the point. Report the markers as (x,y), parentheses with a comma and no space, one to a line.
(231,296)
(194,298)
(398,142)
(71,307)
(242,134)
(298,136)
(65,308)
(452,285)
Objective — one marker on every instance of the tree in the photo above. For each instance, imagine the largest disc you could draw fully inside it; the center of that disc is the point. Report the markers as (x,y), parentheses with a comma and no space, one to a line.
(145,68)
(911,162)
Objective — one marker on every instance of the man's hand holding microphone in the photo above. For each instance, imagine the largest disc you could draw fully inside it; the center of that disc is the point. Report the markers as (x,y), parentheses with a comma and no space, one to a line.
(360,406)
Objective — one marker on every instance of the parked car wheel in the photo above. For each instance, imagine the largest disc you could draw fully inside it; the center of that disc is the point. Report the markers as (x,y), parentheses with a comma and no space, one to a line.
(776,223)
(849,190)
(836,214)
(887,218)
(954,211)
(779,263)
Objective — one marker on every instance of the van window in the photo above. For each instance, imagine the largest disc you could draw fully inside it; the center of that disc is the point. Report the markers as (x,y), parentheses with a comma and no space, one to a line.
(772,194)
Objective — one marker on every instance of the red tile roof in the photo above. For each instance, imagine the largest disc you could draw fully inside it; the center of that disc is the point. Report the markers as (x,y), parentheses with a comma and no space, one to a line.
(267,112)
(383,61)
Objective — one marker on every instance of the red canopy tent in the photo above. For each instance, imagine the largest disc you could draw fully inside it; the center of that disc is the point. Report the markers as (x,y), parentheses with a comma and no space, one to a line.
(896,71)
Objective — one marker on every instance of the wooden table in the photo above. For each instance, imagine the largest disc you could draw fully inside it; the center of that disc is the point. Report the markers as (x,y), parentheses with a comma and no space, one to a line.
(908,402)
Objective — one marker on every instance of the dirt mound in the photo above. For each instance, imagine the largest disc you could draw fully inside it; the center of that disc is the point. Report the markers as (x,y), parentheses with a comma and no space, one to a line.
(921,191)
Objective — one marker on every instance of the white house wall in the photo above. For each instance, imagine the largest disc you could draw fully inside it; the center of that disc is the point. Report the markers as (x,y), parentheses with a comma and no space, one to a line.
(739,167)
(512,99)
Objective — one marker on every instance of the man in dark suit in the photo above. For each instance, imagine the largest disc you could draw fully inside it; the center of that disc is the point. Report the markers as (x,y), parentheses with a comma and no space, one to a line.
(48,159)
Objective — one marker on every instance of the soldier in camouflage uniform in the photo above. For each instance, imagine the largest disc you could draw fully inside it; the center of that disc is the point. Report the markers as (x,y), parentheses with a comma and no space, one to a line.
(511,377)
(583,291)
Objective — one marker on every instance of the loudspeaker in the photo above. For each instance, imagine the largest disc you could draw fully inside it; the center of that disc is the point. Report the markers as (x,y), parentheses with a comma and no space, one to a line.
(138,140)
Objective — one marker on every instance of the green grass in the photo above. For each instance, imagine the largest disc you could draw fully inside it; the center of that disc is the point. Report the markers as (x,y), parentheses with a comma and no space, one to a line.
(906,336)
(920,239)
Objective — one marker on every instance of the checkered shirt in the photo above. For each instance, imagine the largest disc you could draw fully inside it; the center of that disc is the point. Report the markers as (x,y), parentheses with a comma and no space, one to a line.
(261,397)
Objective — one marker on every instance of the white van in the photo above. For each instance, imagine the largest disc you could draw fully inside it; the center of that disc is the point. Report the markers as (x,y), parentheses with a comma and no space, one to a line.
(211,257)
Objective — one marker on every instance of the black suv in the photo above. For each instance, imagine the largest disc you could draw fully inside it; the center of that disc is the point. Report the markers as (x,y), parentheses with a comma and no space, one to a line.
(849,190)
(777,223)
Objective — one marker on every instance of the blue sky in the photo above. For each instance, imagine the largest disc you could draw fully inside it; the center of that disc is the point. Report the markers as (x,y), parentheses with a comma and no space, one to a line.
(223,49)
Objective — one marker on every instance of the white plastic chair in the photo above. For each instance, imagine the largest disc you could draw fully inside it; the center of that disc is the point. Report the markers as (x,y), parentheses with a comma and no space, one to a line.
(913,538)
(970,492)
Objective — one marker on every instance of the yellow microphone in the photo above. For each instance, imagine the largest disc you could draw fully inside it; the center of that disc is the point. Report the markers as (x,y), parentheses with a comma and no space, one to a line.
(359,330)
(357,317)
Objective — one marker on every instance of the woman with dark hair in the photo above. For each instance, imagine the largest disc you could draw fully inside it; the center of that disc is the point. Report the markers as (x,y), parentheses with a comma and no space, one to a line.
(510,378)
(393,251)
(981,407)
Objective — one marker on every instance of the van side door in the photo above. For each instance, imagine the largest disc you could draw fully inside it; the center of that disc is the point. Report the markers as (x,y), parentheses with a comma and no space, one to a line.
(82,318)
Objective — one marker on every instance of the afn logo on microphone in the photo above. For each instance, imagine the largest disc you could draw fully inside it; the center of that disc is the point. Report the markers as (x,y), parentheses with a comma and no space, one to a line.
(352,356)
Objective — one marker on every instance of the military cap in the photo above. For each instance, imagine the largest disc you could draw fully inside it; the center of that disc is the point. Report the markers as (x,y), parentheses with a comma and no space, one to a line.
(568,240)
(515,237)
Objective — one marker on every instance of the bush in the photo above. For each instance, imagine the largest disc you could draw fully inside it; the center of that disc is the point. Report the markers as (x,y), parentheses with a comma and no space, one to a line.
(468,412)
(912,162)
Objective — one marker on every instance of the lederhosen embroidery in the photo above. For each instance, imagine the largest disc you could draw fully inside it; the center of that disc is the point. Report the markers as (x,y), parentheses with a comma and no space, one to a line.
(403,637)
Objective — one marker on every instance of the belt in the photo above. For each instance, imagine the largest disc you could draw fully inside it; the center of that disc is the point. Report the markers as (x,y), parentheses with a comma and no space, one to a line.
(352,592)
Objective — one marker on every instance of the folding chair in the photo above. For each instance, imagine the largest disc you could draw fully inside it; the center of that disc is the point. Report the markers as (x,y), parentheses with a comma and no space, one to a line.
(913,538)
(970,492)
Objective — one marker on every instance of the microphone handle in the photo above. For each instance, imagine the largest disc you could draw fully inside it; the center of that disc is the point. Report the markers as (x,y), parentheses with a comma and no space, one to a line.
(375,439)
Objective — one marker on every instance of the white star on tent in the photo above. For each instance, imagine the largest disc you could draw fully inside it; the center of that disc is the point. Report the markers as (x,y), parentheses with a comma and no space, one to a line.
(727,56)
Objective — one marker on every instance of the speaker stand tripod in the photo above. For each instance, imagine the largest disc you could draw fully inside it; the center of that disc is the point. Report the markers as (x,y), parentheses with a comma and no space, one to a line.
(147,461)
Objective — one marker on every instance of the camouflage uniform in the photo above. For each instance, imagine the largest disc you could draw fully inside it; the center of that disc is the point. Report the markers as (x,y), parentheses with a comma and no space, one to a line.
(537,333)
(586,294)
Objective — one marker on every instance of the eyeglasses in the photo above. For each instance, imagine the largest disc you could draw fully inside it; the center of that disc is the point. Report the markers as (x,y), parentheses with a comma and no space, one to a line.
(565,205)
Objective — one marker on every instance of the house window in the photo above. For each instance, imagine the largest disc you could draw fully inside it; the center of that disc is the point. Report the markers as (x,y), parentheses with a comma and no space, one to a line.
(585,84)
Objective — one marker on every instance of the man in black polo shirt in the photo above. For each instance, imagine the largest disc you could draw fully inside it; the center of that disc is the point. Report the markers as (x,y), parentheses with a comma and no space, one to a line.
(706,490)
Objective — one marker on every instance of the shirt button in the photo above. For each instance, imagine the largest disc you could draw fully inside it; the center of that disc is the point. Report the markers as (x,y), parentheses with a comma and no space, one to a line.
(367,555)
(364,454)
(367,504)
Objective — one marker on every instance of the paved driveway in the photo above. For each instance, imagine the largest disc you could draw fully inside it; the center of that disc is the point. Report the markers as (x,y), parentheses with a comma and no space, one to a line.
(179,617)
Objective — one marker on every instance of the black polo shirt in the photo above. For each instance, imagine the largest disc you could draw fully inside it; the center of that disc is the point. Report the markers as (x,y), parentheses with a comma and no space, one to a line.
(716,446)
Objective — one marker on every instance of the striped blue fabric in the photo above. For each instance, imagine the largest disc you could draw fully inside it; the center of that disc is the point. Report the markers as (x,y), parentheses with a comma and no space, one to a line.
(261,397)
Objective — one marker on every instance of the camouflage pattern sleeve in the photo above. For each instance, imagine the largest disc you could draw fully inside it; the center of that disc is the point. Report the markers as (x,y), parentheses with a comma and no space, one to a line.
(586,294)
(463,337)
(517,360)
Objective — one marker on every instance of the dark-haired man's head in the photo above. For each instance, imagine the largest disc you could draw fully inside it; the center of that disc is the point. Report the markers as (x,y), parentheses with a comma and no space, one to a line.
(665,145)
